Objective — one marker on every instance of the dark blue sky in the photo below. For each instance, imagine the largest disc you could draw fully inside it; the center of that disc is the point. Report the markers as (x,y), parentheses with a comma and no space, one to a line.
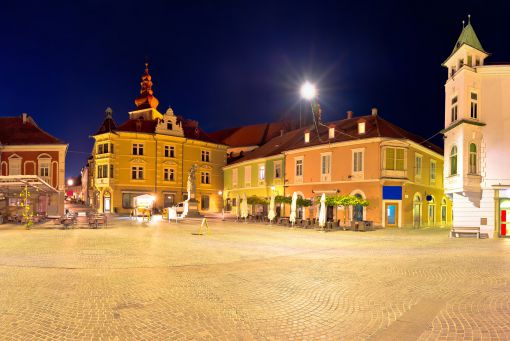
(232,63)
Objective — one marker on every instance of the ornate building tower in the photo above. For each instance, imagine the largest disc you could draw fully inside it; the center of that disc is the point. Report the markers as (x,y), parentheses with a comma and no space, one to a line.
(476,111)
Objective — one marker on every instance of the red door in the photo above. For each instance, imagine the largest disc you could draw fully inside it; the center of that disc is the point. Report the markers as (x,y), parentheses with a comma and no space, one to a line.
(504,222)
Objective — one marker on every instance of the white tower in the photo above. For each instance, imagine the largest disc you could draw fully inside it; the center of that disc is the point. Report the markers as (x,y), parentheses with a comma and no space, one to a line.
(464,128)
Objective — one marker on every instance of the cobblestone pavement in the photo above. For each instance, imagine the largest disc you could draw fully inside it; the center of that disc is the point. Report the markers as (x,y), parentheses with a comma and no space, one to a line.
(244,282)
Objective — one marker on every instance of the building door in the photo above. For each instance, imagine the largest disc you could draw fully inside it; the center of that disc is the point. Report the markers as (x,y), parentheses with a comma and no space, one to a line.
(417,211)
(504,216)
(357,210)
(391,215)
(106,202)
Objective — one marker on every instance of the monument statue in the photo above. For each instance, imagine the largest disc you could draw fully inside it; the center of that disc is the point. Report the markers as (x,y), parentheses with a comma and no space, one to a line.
(192,187)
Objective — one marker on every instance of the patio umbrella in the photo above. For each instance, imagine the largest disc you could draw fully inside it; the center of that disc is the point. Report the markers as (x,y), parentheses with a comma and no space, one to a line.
(244,207)
(271,215)
(293,208)
(322,211)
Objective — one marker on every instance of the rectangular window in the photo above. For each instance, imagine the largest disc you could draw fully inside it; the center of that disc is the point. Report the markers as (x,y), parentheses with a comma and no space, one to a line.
(234,177)
(206,156)
(99,172)
(394,159)
(137,173)
(247,176)
(169,151)
(262,172)
(105,171)
(128,199)
(44,170)
(111,148)
(470,61)
(169,126)
(357,161)
(137,149)
(105,148)
(205,178)
(454,109)
(111,171)
(204,203)
(278,170)
(417,165)
(326,164)
(432,171)
(100,149)
(169,174)
(299,167)
(474,105)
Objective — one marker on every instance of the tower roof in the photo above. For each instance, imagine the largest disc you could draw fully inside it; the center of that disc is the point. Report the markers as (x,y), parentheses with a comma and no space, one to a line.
(108,124)
(146,99)
(468,37)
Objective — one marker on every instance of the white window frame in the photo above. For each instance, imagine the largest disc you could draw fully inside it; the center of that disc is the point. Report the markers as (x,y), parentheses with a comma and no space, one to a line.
(326,166)
(138,147)
(358,168)
(362,128)
(298,178)
(234,178)
(247,176)
(433,172)
(418,171)
(279,164)
(139,170)
(206,156)
(261,173)
(15,164)
(473,107)
(169,174)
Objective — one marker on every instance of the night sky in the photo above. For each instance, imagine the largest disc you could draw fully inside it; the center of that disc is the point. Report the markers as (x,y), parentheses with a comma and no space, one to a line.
(232,63)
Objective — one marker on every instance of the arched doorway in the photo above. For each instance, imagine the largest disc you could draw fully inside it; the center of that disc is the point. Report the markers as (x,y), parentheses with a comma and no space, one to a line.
(431,211)
(357,210)
(444,208)
(417,210)
(106,202)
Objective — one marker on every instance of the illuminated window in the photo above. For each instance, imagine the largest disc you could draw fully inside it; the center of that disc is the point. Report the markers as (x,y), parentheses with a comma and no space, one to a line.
(394,159)
(307,137)
(205,178)
(331,132)
(361,127)
(472,159)
(169,151)
(262,172)
(474,105)
(454,109)
(137,149)
(453,161)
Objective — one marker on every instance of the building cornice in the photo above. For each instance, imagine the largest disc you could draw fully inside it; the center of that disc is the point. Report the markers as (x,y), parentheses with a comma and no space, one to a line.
(258,160)
(459,122)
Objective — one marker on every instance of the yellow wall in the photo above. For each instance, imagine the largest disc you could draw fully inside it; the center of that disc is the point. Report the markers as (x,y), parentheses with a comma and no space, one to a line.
(187,153)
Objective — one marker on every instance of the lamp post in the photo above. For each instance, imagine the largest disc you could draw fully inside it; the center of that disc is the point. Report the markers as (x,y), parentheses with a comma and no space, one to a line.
(309,92)
(220,193)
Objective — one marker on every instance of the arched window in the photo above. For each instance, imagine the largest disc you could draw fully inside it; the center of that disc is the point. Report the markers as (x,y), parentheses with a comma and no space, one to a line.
(453,161)
(432,211)
(443,211)
(357,210)
(472,159)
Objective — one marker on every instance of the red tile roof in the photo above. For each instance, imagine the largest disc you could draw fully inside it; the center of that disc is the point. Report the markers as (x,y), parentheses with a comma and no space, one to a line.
(251,135)
(345,130)
(14,132)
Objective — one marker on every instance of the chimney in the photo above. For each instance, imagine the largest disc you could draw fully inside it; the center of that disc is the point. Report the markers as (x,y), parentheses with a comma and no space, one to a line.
(25,117)
(349,114)
(374,111)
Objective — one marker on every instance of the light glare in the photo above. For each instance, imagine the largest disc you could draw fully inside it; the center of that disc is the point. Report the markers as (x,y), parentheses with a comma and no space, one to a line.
(308,91)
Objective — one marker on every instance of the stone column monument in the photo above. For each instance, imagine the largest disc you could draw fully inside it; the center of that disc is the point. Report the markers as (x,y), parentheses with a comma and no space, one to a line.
(192,189)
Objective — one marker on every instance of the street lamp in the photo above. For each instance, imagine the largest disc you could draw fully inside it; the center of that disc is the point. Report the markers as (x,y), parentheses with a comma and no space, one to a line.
(70,182)
(308,91)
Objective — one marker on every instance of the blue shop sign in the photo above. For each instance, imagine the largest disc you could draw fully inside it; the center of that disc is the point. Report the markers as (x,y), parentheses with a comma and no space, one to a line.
(392,192)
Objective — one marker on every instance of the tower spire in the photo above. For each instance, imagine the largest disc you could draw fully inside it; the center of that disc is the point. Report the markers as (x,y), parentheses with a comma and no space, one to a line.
(146,99)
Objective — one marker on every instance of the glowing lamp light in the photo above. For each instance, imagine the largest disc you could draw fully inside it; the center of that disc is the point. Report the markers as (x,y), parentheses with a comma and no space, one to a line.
(70,182)
(220,192)
(308,91)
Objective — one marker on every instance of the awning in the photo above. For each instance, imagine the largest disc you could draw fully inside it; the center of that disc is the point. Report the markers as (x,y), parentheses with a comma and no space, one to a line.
(15,183)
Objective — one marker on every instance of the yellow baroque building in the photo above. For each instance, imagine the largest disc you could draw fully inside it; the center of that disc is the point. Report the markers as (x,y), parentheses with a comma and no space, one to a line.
(152,153)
